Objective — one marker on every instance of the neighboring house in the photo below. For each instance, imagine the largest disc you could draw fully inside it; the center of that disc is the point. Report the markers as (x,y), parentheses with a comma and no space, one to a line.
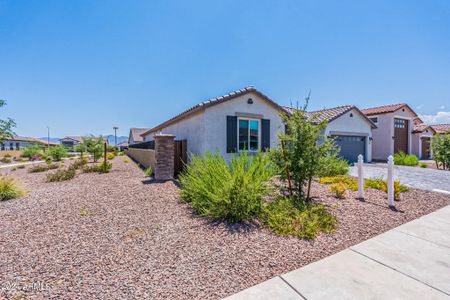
(122,145)
(135,135)
(19,143)
(71,141)
(422,136)
(394,129)
(249,120)
(350,128)
(441,128)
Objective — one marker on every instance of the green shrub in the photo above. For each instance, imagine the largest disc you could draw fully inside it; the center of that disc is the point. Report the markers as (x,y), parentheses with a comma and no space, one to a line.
(423,165)
(7,155)
(100,168)
(57,152)
(403,159)
(441,150)
(31,151)
(226,192)
(10,189)
(61,175)
(285,218)
(339,189)
(42,168)
(148,171)
(332,165)
(380,184)
(5,160)
(21,167)
(121,153)
(79,163)
(110,155)
(126,160)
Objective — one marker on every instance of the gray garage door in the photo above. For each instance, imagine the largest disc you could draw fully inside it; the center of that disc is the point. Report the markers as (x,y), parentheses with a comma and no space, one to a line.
(351,146)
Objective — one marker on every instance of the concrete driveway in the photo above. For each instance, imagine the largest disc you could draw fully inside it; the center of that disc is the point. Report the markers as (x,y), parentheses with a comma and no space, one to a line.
(421,178)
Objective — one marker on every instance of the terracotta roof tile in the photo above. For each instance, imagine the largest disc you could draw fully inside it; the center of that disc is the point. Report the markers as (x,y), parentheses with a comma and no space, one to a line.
(441,128)
(384,109)
(422,127)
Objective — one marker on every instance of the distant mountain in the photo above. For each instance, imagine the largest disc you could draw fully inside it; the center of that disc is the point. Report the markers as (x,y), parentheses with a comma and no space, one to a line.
(109,137)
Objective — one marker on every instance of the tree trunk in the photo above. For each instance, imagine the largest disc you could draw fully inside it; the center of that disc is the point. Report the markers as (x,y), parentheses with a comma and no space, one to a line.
(309,188)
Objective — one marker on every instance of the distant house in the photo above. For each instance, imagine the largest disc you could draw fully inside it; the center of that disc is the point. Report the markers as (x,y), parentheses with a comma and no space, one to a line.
(135,135)
(395,124)
(71,141)
(422,137)
(122,145)
(19,143)
(441,128)
(247,119)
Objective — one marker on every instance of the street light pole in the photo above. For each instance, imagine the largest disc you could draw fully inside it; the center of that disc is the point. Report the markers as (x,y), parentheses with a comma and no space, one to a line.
(115,135)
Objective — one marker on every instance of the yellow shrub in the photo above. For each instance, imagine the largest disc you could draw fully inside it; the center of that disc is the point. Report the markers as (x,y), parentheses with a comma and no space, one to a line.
(350,182)
(110,155)
(339,190)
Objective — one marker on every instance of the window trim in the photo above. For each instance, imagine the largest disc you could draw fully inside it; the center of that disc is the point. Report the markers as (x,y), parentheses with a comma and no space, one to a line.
(259,134)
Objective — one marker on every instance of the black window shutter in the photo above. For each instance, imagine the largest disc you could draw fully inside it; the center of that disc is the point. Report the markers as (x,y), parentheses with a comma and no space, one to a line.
(265,134)
(231,134)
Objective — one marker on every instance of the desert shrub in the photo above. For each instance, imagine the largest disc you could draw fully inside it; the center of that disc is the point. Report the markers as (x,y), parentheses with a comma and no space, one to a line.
(441,150)
(148,171)
(7,155)
(21,167)
(5,160)
(339,189)
(13,169)
(231,192)
(57,152)
(286,218)
(116,152)
(126,160)
(10,189)
(36,157)
(110,155)
(403,159)
(350,182)
(99,168)
(79,163)
(121,153)
(30,151)
(61,175)
(380,184)
(423,165)
(42,168)
(332,165)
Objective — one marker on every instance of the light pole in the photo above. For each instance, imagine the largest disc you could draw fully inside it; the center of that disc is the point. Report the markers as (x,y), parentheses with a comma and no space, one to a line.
(48,137)
(115,135)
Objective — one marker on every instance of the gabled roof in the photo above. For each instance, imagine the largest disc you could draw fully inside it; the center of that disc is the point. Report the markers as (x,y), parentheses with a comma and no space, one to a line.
(441,128)
(29,139)
(386,109)
(212,102)
(78,139)
(135,134)
(330,114)
(422,127)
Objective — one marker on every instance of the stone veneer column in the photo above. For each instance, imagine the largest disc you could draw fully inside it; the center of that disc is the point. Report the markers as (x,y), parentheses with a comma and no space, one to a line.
(164,156)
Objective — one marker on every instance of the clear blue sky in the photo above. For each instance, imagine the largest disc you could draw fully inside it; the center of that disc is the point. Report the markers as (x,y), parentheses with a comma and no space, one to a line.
(84,66)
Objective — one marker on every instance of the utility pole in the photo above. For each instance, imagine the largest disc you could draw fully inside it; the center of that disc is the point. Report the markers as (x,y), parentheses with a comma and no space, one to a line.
(115,135)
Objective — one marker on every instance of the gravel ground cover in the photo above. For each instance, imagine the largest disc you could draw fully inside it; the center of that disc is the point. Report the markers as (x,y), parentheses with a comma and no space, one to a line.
(122,236)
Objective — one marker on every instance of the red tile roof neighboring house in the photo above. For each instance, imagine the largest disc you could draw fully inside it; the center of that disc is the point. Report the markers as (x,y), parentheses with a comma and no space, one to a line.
(330,114)
(29,139)
(441,128)
(210,103)
(422,127)
(386,109)
(135,133)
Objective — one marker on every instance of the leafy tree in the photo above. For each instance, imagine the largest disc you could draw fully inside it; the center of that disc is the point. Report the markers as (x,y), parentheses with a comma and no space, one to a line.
(94,146)
(441,150)
(300,151)
(80,148)
(6,126)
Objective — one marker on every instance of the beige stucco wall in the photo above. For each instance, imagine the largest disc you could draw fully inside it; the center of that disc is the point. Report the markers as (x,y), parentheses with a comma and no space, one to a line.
(145,157)
(356,125)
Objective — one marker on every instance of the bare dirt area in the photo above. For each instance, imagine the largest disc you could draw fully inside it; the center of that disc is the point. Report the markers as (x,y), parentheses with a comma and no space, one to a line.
(120,235)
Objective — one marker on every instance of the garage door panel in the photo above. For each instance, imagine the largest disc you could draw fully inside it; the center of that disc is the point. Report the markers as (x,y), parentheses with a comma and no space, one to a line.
(350,146)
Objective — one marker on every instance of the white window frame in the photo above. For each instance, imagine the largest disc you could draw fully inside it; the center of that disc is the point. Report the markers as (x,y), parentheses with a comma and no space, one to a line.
(259,133)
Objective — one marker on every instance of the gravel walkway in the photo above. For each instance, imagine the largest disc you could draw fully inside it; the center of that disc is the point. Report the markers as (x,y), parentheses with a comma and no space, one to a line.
(138,241)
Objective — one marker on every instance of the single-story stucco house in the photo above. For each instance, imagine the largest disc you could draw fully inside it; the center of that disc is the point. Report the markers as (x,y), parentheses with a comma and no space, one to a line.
(247,119)
(395,124)
(18,143)
(422,138)
(135,137)
(71,141)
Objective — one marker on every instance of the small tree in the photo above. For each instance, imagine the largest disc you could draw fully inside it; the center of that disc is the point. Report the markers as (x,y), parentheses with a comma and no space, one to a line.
(57,152)
(94,146)
(80,148)
(300,150)
(441,150)
(6,126)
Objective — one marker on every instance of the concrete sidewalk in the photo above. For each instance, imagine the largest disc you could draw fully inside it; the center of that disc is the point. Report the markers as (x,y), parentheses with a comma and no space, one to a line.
(411,261)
